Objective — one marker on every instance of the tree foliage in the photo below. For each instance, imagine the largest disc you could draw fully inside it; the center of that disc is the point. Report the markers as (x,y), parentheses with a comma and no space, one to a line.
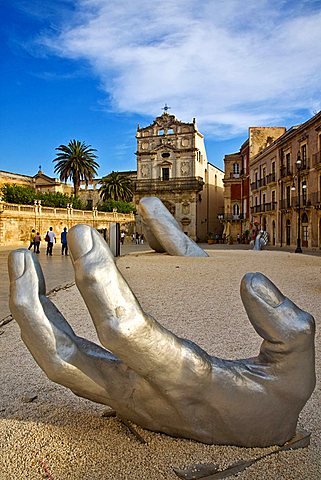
(76,161)
(116,187)
(119,205)
(24,195)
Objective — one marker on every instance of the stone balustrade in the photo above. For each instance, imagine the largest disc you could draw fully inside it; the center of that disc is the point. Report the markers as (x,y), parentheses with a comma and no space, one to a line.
(17,221)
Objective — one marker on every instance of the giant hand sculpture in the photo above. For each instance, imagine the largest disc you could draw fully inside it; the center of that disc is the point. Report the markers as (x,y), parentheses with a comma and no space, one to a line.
(156,379)
(163,232)
(261,240)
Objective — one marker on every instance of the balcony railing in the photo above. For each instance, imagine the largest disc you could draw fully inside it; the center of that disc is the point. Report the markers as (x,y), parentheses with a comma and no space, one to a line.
(270,178)
(305,201)
(254,185)
(264,207)
(231,217)
(285,172)
(173,184)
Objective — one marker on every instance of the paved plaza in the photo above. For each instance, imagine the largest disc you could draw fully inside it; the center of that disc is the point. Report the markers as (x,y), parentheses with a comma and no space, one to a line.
(58,269)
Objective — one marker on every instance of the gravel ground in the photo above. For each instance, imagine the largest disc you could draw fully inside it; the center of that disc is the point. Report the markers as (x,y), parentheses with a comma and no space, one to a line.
(60,436)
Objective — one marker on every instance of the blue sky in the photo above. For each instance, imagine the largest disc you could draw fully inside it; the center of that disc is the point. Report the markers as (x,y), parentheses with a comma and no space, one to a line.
(92,70)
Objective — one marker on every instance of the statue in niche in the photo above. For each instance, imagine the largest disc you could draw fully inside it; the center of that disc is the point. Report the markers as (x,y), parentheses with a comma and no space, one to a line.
(145,169)
(185,169)
(186,208)
(151,376)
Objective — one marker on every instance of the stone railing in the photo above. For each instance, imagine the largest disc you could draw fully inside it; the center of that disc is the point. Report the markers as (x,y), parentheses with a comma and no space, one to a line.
(17,221)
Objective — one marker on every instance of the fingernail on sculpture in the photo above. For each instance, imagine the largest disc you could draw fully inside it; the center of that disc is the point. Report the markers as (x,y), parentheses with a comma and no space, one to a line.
(163,232)
(155,378)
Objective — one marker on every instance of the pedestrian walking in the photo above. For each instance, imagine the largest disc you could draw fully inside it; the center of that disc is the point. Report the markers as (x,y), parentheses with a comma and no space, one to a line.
(137,238)
(50,239)
(122,237)
(142,238)
(64,242)
(32,239)
(37,243)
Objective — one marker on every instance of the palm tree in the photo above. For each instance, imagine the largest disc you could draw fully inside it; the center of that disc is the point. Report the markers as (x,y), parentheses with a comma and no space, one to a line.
(77,162)
(116,186)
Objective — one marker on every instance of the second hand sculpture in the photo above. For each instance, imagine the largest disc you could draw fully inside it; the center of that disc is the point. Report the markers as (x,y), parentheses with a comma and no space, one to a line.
(163,232)
(151,376)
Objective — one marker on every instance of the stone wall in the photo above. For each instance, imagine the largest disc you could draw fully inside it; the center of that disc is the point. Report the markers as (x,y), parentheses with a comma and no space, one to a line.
(17,221)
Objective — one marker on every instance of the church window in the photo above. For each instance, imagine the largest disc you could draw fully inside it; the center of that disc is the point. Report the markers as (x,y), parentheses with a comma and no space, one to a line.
(165,173)
(170,130)
(161,132)
(236,210)
(166,155)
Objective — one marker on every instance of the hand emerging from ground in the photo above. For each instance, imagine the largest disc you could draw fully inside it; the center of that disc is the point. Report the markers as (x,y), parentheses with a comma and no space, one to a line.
(154,378)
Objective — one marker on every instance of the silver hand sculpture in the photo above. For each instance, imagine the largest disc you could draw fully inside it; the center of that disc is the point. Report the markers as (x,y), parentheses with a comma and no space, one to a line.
(156,379)
(163,232)
(261,240)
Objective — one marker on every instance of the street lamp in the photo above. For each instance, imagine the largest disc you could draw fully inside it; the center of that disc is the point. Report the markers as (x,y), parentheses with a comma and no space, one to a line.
(299,167)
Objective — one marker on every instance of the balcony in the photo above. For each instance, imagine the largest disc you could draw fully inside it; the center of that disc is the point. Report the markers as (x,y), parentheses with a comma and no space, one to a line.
(270,178)
(305,164)
(264,207)
(285,172)
(270,207)
(305,201)
(254,185)
(230,217)
(172,184)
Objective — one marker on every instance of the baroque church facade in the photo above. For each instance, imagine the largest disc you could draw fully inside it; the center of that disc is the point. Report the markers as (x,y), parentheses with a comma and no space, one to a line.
(172,165)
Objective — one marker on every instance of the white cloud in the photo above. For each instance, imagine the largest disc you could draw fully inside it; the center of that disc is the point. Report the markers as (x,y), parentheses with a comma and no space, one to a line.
(229,63)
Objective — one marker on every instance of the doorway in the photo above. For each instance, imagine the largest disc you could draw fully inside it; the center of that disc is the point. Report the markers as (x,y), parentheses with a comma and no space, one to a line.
(288,232)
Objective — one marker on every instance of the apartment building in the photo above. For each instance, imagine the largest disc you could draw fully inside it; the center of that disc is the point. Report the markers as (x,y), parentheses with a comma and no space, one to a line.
(285,186)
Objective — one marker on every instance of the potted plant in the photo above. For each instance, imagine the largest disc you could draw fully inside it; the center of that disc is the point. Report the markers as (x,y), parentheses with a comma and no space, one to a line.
(210,238)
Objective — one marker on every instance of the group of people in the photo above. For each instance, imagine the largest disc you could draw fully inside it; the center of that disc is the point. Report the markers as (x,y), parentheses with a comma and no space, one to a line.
(137,238)
(50,239)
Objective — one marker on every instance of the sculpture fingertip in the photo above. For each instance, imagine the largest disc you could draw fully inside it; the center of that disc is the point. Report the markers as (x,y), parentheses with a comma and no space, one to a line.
(16,263)
(80,241)
(262,287)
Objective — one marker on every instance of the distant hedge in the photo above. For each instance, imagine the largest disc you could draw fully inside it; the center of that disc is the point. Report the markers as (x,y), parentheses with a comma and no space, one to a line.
(24,195)
(120,205)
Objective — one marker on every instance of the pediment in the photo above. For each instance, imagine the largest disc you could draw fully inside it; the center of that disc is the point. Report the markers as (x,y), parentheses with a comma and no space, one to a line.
(164,147)
(165,163)
(41,177)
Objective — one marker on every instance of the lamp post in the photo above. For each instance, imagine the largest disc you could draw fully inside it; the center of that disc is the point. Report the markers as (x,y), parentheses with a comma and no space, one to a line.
(298,168)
